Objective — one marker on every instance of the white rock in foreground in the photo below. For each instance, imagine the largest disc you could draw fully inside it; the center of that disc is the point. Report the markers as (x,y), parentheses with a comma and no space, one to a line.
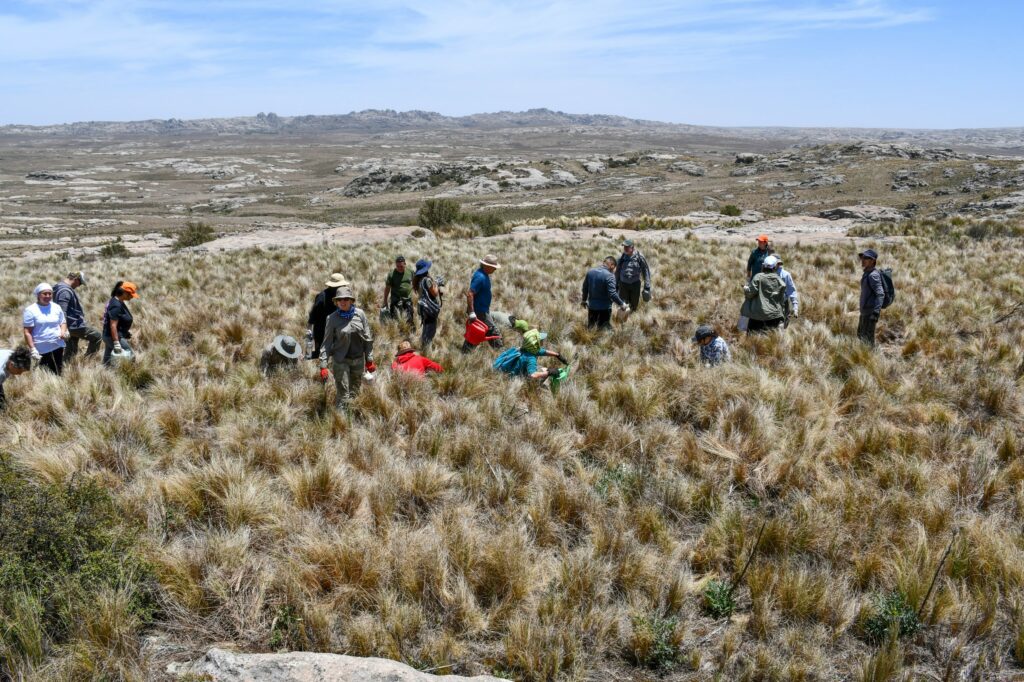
(225,666)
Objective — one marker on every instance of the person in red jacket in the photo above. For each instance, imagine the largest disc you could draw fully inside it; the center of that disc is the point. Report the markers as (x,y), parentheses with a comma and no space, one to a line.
(408,360)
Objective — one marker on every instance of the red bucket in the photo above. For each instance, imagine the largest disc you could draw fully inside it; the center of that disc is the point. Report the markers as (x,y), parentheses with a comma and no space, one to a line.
(476,332)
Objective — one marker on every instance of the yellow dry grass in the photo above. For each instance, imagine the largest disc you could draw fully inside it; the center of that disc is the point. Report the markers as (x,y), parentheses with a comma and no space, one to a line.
(471,523)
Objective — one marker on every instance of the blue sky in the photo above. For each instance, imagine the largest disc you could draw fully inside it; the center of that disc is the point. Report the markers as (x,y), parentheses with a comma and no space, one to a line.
(873,63)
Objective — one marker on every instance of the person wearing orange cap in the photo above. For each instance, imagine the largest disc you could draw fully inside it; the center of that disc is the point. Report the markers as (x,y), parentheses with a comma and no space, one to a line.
(757,256)
(117,321)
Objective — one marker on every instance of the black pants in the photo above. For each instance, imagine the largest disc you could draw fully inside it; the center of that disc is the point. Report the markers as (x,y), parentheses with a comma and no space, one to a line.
(599,319)
(3,398)
(428,332)
(630,293)
(492,330)
(92,337)
(402,307)
(53,361)
(866,327)
(763,326)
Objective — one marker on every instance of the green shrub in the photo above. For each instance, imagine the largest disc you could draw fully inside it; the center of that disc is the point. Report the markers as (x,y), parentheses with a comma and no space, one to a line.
(719,601)
(115,249)
(487,224)
(731,210)
(435,213)
(194,234)
(655,642)
(891,615)
(61,547)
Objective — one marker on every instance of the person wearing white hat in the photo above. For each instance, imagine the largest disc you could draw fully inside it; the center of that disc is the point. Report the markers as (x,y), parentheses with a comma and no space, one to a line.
(66,296)
(478,300)
(792,297)
(46,329)
(284,351)
(348,345)
(765,299)
(322,308)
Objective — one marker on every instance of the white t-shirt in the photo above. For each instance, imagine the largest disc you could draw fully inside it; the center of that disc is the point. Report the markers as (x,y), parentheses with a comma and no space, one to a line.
(45,322)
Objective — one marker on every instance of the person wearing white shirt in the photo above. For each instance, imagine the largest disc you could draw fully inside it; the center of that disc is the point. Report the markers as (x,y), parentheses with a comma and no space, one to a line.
(46,329)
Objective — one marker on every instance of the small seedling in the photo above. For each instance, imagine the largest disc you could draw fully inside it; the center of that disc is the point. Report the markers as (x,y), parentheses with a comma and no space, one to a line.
(719,601)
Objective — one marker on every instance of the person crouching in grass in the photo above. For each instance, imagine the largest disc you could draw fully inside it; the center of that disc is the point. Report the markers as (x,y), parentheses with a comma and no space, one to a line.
(713,348)
(13,363)
(408,360)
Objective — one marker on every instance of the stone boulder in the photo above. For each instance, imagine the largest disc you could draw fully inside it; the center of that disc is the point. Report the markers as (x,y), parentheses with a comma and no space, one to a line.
(594,167)
(865,214)
(749,158)
(224,666)
(688,167)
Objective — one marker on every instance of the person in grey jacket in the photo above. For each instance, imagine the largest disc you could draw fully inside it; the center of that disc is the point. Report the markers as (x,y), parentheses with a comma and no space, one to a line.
(348,344)
(66,297)
(765,299)
(599,293)
(633,275)
(872,295)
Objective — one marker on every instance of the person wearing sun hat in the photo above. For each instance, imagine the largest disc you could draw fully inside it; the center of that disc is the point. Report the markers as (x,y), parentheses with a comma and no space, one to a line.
(322,308)
(65,295)
(757,256)
(430,290)
(713,348)
(348,346)
(46,329)
(764,299)
(118,320)
(478,299)
(283,351)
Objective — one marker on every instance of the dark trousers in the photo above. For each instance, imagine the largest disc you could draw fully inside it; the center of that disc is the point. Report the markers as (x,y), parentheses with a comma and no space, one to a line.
(763,326)
(91,336)
(53,361)
(599,319)
(866,327)
(428,332)
(402,307)
(492,330)
(630,293)
(3,398)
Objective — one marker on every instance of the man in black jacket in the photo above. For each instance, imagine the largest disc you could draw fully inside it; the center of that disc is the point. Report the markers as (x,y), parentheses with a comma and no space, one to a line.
(322,308)
(872,295)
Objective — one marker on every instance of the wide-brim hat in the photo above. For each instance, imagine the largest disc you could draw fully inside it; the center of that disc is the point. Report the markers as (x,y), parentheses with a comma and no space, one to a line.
(490,260)
(422,266)
(287,346)
(337,280)
(868,253)
(344,292)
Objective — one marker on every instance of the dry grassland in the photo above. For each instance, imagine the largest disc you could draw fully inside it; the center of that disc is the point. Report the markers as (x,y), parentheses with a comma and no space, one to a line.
(470,523)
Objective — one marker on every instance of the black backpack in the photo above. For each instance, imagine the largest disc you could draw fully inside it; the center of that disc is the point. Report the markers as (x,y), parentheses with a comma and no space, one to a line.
(887,287)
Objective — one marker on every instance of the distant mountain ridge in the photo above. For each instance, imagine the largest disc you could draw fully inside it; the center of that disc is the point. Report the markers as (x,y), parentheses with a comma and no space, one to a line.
(387,120)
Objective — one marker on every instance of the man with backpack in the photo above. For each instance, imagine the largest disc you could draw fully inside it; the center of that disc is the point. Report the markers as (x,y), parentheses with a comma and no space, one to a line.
(872,296)
(599,293)
(633,276)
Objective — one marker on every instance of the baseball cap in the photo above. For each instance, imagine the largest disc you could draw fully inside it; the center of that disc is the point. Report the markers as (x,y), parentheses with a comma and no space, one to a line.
(703,332)
(762,238)
(771,262)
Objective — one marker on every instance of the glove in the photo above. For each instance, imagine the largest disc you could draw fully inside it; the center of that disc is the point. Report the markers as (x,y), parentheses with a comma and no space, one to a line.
(36,355)
(65,335)
(323,375)
(440,281)
(796,313)
(371,366)
(625,308)
(117,347)
(472,317)
(583,303)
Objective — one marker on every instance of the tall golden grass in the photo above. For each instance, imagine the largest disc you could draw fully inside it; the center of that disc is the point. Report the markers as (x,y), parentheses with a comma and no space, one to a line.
(473,523)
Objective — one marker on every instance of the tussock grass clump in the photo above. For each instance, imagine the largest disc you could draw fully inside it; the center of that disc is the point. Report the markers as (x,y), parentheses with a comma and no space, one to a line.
(469,522)
(194,233)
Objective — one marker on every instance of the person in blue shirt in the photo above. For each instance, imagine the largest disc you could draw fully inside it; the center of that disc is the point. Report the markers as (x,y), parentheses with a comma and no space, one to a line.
(478,300)
(713,348)
(792,297)
(599,292)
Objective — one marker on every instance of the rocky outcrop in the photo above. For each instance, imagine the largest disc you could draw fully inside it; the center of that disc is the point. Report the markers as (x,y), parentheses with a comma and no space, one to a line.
(906,179)
(867,214)
(688,167)
(750,158)
(224,666)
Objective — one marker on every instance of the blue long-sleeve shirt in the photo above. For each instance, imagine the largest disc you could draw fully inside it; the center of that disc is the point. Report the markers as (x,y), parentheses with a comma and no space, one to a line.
(872,293)
(600,290)
(791,295)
